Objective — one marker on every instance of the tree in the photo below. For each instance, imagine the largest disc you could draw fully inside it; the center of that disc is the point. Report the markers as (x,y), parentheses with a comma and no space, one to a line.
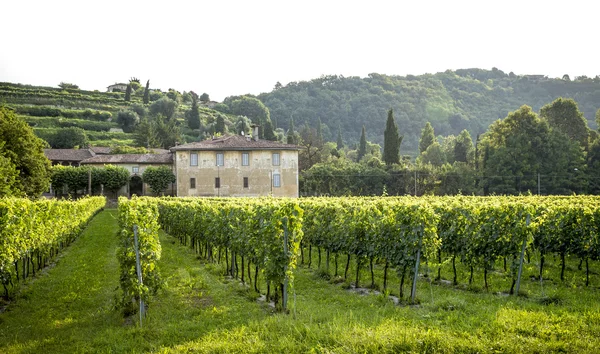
(72,178)
(391,141)
(564,116)
(220,125)
(463,147)
(168,132)
(158,178)
(114,178)
(8,176)
(128,93)
(127,120)
(291,137)
(146,98)
(135,84)
(69,138)
(598,120)
(68,86)
(319,130)
(448,143)
(250,107)
(521,146)
(23,150)
(193,115)
(434,155)
(593,164)
(140,110)
(204,97)
(269,132)
(243,125)
(311,154)
(340,142)
(175,95)
(146,134)
(427,137)
(362,147)
(165,106)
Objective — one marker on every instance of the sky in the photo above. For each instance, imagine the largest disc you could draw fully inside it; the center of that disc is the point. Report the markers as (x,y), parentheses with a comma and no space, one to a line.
(227,48)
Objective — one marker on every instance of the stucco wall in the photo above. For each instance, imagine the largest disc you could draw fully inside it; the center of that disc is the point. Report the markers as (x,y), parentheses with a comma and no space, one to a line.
(259,173)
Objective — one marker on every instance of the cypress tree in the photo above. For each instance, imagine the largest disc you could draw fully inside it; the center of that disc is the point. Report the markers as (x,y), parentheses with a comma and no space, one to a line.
(391,141)
(362,147)
(427,137)
(319,132)
(291,136)
(220,125)
(128,93)
(147,92)
(193,115)
(340,142)
(269,133)
(463,147)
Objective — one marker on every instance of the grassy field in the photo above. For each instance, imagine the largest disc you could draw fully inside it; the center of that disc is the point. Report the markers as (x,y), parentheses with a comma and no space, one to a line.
(70,309)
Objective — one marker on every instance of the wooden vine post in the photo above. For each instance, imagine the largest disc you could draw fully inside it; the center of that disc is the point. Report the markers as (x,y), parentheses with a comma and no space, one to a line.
(138,268)
(413,292)
(285,251)
(521,260)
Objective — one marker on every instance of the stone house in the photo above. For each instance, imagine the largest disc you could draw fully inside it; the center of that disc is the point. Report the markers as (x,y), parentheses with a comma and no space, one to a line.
(119,87)
(233,165)
(236,166)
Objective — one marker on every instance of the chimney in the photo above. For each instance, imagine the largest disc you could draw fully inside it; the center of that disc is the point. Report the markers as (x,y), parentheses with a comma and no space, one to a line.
(255,132)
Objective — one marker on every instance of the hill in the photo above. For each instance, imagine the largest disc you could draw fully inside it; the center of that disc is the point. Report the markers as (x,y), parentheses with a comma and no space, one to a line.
(452,101)
(55,113)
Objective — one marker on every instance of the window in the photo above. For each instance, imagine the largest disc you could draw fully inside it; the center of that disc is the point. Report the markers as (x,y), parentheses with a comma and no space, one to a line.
(245,158)
(219,159)
(275,159)
(193,159)
(277,180)
(217,182)
(192,183)
(135,169)
(245,182)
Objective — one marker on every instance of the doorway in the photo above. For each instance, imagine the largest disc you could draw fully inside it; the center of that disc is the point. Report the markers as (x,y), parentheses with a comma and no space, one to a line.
(136,186)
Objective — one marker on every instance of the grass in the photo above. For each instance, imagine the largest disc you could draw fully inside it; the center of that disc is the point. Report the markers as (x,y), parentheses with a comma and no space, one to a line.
(70,309)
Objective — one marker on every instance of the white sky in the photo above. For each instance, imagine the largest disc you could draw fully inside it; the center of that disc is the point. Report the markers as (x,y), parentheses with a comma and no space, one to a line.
(235,47)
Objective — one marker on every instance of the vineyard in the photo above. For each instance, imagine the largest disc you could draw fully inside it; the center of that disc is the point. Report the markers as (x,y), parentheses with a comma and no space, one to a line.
(295,275)
(33,232)
(483,234)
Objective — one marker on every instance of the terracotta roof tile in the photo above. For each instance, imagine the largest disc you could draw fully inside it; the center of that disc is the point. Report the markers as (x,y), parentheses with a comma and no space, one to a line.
(236,142)
(131,158)
(68,154)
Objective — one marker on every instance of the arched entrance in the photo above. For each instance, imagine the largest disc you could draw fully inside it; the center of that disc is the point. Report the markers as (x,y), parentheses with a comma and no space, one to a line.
(136,186)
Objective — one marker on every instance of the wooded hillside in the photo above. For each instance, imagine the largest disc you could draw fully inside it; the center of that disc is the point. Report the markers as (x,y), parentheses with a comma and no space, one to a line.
(452,101)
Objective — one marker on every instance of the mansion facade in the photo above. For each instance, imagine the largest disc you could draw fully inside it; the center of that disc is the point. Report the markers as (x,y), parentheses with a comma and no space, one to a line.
(228,166)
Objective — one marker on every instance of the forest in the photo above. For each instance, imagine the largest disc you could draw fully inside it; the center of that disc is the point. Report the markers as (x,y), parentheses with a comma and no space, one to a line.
(451,101)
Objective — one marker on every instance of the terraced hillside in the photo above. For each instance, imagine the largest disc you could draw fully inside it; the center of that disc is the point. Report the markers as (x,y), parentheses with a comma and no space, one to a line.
(60,115)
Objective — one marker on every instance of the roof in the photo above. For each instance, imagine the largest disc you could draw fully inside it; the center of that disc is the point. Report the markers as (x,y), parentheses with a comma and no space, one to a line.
(235,142)
(119,84)
(68,154)
(131,158)
(104,150)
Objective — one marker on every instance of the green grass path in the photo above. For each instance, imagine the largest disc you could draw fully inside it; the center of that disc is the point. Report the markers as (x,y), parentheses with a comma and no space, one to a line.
(63,309)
